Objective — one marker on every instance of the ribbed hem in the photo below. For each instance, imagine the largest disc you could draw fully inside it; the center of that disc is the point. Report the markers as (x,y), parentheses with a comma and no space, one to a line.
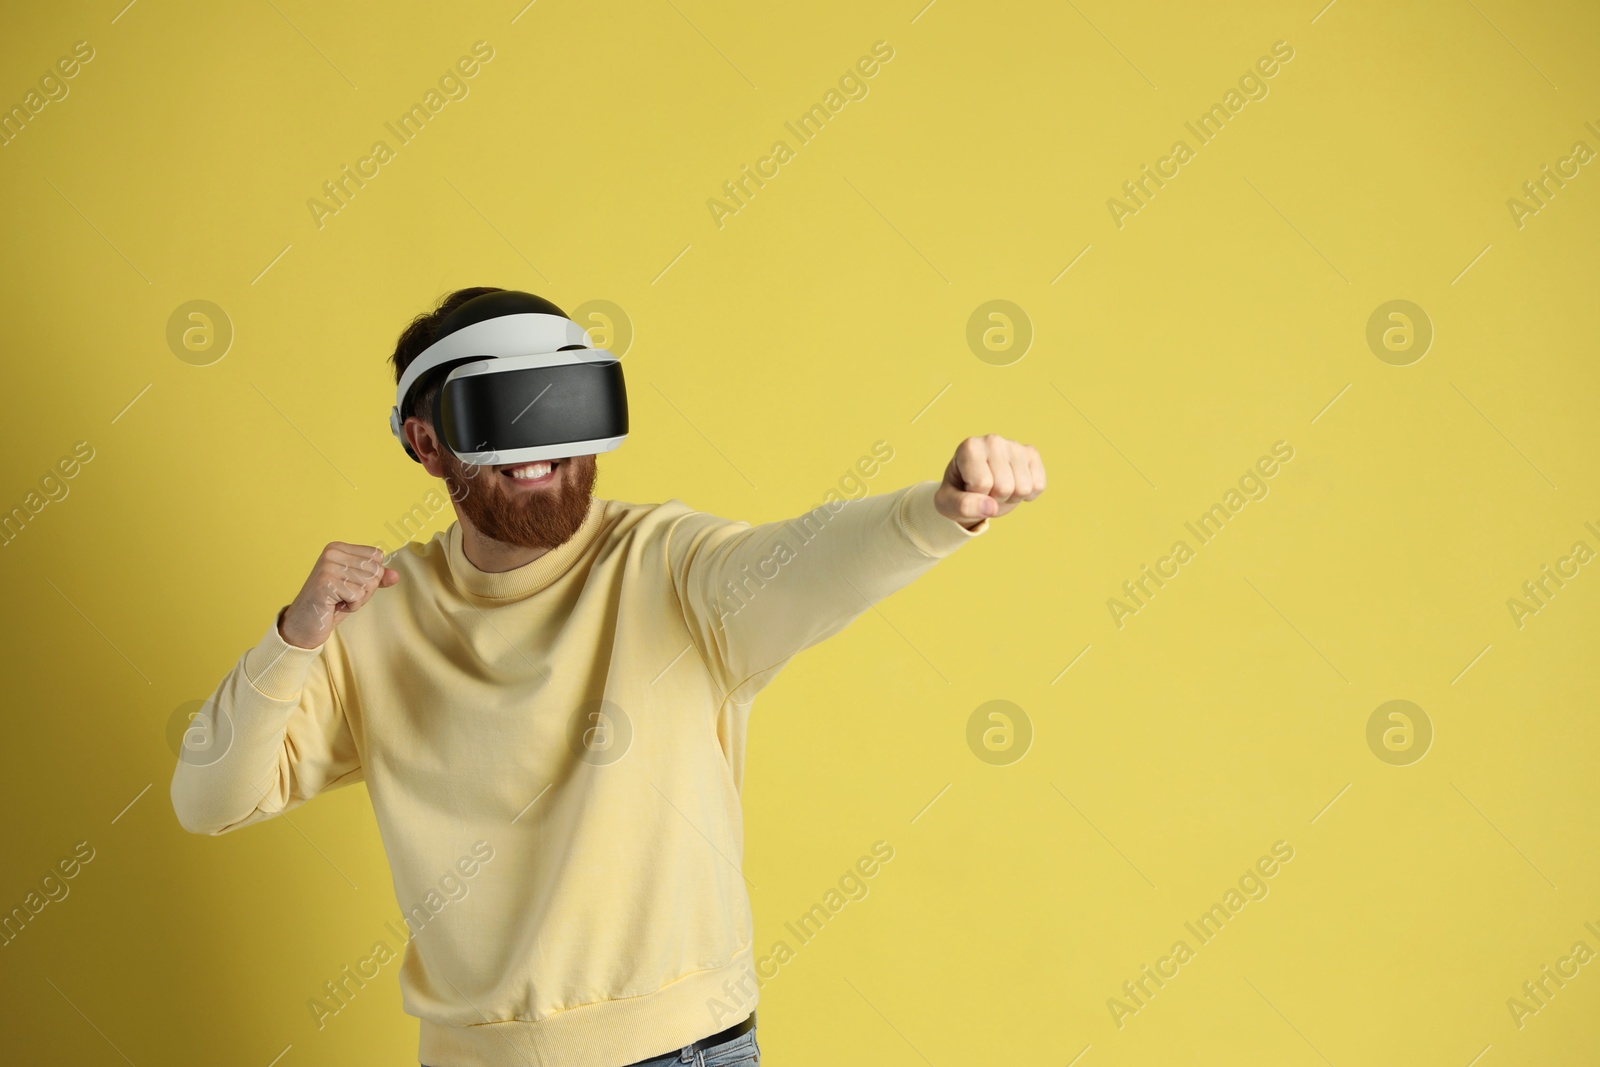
(276,668)
(931,532)
(603,1034)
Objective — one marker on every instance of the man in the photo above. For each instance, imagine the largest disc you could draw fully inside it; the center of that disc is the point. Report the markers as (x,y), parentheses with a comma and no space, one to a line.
(548,702)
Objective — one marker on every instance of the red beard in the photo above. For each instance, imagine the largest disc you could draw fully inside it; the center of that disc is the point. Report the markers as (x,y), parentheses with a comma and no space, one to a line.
(542,518)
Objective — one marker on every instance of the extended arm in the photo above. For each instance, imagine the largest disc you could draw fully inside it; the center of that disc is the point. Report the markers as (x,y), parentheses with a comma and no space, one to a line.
(754,596)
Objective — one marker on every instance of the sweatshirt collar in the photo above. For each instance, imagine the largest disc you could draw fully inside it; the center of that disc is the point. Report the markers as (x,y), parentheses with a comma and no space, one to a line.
(529,578)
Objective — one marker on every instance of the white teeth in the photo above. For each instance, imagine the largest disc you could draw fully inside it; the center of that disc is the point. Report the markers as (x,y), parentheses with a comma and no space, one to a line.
(531,471)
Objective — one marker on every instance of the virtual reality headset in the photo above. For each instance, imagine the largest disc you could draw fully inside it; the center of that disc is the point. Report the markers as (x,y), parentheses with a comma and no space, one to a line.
(522,383)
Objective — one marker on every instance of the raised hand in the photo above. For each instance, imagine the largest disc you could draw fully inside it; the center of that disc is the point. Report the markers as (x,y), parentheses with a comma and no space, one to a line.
(988,477)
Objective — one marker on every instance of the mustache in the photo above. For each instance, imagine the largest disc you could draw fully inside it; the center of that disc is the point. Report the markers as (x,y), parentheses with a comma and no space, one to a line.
(541,519)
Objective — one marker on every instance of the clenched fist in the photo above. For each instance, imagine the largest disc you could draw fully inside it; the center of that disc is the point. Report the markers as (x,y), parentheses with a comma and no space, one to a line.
(987,477)
(344,578)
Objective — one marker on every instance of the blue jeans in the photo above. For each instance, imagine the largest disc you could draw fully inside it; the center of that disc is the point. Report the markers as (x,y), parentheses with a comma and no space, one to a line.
(742,1051)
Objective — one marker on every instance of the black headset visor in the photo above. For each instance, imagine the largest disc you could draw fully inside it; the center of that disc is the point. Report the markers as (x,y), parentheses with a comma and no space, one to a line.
(513,410)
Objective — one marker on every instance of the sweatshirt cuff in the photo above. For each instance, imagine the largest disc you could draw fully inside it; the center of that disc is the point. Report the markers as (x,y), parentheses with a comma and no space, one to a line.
(277,669)
(932,533)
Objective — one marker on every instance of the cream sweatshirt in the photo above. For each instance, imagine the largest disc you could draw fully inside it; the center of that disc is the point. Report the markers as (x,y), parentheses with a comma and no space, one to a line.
(581,720)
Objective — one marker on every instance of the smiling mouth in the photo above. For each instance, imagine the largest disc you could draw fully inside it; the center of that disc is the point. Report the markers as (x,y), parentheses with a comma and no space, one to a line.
(540,472)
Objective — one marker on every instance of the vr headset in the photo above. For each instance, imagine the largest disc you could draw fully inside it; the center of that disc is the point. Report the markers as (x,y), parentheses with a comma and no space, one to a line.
(522,383)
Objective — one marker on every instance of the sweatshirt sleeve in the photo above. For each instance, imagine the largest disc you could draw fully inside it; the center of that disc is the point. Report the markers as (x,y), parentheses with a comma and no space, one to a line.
(273,735)
(754,596)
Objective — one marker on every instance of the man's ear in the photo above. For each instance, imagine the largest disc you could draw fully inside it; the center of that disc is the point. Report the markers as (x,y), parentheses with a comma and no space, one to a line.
(424,444)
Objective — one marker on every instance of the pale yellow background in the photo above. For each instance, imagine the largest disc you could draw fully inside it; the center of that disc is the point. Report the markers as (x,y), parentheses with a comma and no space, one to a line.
(773,353)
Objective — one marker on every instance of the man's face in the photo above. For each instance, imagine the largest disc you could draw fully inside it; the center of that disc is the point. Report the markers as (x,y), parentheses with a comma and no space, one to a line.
(539,512)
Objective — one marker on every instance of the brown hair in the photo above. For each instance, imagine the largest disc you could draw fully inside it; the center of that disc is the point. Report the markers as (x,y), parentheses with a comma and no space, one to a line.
(416,337)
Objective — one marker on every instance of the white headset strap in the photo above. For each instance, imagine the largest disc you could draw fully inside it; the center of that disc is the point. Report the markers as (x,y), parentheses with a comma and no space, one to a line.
(506,335)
